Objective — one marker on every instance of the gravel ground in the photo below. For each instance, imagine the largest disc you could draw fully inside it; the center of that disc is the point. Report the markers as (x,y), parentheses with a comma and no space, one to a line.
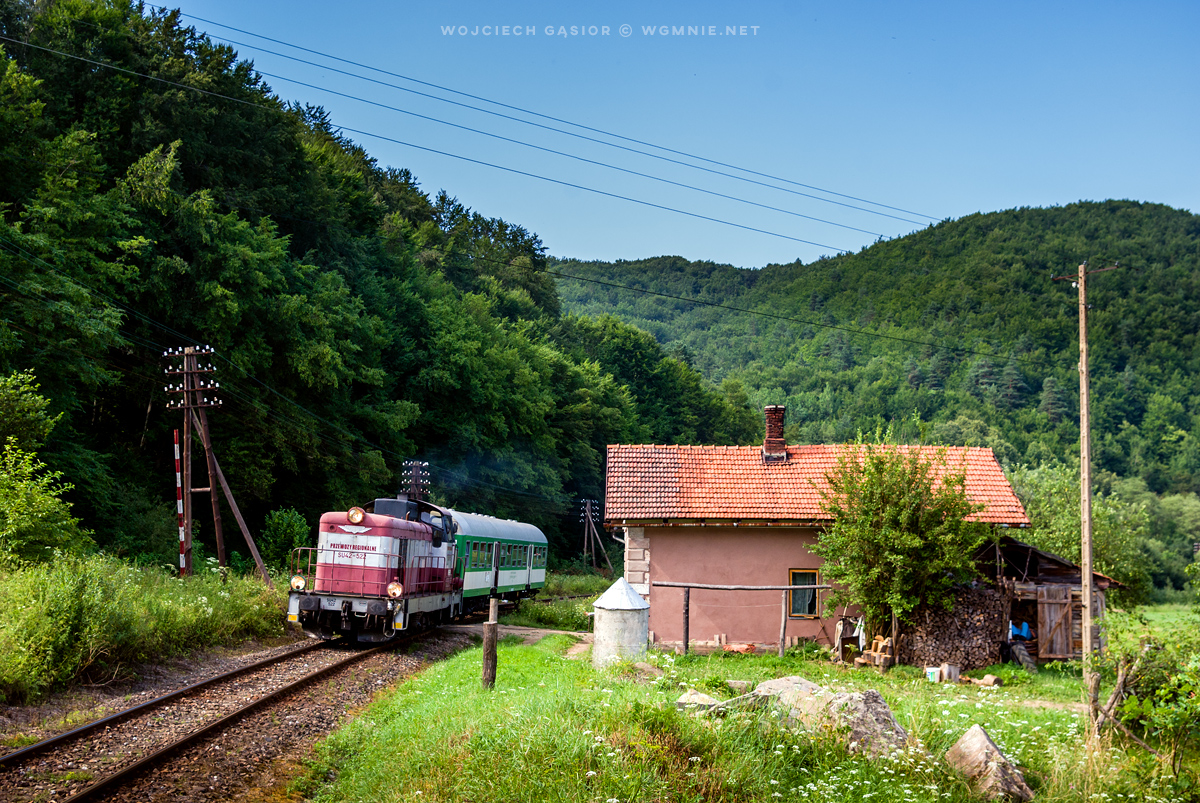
(67,710)
(253,759)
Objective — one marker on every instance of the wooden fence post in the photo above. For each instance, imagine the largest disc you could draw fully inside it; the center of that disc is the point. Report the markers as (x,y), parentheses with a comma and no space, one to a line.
(687,600)
(783,626)
(490,630)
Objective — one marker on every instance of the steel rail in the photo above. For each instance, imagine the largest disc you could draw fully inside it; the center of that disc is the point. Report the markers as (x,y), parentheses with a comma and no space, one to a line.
(151,758)
(38,747)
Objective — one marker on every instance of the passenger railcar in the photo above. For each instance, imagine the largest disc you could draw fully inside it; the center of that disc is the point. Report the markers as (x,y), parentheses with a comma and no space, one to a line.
(399,564)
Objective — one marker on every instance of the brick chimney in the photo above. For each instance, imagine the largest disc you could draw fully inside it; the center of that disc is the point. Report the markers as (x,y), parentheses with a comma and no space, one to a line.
(774,447)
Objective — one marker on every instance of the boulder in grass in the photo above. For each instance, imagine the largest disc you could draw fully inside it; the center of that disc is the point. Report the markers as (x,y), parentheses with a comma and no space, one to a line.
(863,719)
(739,686)
(993,775)
(776,687)
(696,701)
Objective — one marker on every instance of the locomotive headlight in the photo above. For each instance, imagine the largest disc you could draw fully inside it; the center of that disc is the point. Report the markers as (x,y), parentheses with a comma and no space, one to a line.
(297,582)
(355,514)
(395,590)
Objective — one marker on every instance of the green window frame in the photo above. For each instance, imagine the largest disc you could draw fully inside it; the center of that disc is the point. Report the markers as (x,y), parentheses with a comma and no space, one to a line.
(804,603)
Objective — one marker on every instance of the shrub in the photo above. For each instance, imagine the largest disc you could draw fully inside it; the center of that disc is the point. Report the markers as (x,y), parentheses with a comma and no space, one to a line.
(283,531)
(34,521)
(95,617)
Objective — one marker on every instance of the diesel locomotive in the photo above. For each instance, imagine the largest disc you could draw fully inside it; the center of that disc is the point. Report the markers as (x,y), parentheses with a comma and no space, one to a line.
(400,564)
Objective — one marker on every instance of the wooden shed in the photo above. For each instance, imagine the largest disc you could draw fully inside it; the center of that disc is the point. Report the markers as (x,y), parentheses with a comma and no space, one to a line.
(1045,592)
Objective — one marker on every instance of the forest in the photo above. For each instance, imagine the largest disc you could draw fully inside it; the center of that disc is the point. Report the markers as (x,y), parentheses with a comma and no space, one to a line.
(358,320)
(957,334)
(157,193)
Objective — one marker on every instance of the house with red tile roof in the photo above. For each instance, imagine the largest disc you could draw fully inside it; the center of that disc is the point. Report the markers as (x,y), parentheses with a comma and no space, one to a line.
(749,515)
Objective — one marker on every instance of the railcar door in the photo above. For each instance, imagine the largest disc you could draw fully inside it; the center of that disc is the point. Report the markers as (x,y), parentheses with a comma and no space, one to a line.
(495,567)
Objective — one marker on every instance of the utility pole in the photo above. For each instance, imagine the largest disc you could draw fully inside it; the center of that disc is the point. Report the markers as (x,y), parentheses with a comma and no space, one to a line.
(191,390)
(194,404)
(592,542)
(1087,578)
(416,479)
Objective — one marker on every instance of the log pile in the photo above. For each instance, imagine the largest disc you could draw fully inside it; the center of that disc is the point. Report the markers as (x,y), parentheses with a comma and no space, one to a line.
(968,636)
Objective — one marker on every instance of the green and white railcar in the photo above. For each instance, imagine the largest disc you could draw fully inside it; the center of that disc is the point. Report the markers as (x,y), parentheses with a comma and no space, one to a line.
(498,557)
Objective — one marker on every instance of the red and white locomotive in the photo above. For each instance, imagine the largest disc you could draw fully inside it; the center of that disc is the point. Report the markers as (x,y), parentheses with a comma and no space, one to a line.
(401,564)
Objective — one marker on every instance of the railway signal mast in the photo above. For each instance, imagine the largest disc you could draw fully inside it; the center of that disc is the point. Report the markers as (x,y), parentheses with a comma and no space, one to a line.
(589,514)
(191,391)
(416,480)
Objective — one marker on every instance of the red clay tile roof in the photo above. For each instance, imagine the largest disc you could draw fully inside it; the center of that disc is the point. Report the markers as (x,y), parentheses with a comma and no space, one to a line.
(648,483)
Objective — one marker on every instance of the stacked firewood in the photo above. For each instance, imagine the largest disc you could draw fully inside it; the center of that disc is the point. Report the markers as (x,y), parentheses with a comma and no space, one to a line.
(968,636)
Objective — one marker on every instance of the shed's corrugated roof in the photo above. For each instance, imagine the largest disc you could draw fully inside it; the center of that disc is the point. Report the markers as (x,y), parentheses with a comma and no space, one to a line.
(647,483)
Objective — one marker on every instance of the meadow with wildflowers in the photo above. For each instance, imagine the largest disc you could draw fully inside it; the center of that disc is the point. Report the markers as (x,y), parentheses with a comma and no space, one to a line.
(97,618)
(555,729)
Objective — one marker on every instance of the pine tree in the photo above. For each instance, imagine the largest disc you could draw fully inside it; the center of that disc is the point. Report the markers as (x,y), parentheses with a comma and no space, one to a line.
(912,371)
(980,378)
(1052,404)
(1012,385)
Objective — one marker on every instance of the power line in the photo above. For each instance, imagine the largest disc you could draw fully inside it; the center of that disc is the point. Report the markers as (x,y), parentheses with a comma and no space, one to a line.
(544,117)
(569,155)
(480,162)
(774,316)
(549,128)
(778,317)
(461,479)
(543,149)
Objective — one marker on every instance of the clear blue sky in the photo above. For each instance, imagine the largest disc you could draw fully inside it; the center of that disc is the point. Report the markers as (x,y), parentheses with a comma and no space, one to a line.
(943,109)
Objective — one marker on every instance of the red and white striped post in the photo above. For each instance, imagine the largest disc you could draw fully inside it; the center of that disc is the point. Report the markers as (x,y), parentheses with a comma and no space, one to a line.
(179,509)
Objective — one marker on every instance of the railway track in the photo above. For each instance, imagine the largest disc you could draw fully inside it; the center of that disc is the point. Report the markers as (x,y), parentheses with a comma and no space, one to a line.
(93,761)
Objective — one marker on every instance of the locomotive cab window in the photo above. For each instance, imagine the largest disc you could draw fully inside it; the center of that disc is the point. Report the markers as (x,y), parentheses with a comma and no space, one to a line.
(803,603)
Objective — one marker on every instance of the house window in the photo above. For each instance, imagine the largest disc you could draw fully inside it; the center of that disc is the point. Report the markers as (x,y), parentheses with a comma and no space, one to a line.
(802,603)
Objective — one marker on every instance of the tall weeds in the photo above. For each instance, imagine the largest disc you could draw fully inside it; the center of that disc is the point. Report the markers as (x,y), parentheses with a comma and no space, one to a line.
(93,618)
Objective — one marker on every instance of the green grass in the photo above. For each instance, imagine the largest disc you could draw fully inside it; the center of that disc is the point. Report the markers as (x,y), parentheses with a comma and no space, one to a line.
(95,617)
(561,614)
(571,585)
(555,730)
(566,614)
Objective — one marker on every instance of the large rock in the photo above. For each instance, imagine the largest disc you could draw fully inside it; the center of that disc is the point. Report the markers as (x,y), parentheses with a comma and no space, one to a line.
(696,701)
(862,719)
(773,688)
(994,776)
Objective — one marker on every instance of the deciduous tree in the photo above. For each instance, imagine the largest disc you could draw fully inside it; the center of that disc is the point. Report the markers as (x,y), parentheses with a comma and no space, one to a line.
(901,536)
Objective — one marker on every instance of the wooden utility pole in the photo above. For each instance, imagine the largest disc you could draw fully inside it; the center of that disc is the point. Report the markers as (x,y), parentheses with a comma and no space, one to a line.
(592,542)
(1087,578)
(191,389)
(1085,485)
(416,480)
(194,404)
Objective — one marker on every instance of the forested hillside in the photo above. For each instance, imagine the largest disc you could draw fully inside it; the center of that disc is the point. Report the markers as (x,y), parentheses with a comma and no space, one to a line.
(358,319)
(961,326)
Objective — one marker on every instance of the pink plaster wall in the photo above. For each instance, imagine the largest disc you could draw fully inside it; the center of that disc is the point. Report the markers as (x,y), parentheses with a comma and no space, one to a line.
(731,556)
